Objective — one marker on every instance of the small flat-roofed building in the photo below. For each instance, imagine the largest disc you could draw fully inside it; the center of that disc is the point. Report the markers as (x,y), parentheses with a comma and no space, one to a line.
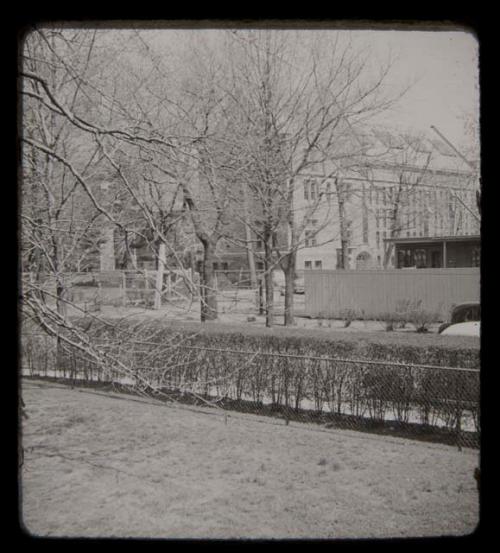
(428,252)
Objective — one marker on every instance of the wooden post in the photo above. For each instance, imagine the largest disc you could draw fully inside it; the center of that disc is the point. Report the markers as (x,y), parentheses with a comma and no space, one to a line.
(169,284)
(124,289)
(261,295)
(159,276)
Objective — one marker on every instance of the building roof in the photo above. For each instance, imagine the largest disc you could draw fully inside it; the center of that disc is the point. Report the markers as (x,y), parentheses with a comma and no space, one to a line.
(391,148)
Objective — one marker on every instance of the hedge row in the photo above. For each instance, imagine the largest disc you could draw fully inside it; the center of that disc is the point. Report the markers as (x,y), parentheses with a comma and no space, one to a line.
(178,357)
(424,349)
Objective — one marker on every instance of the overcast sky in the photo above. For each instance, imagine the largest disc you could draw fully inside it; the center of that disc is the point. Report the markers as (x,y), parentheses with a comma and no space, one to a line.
(445,66)
(441,65)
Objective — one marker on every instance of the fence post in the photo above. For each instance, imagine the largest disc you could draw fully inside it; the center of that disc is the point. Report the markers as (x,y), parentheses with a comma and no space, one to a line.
(124,289)
(459,428)
(261,296)
(159,276)
(169,285)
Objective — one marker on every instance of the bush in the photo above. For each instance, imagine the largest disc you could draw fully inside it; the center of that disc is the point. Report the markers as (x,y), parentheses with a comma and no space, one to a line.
(421,318)
(391,319)
(348,315)
(402,309)
(219,361)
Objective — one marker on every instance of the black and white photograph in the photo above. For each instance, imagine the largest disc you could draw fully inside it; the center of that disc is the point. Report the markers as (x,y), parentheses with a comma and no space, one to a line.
(249,280)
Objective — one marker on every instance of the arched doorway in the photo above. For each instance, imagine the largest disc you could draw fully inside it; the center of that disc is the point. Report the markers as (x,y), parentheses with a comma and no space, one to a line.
(363,260)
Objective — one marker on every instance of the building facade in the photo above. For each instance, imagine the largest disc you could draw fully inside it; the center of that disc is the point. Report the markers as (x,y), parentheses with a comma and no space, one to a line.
(437,252)
(431,194)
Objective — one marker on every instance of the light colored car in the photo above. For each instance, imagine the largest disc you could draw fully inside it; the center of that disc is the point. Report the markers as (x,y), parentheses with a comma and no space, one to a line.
(279,282)
(469,311)
(470,328)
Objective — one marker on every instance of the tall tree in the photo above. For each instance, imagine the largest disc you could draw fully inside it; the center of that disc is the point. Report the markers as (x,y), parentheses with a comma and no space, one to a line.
(296,94)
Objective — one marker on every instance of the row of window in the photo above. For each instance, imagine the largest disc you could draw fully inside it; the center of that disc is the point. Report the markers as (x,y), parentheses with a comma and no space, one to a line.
(422,258)
(383,195)
(318,264)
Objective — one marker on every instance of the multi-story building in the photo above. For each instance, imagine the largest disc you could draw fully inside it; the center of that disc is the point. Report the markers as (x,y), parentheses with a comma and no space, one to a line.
(413,189)
(401,190)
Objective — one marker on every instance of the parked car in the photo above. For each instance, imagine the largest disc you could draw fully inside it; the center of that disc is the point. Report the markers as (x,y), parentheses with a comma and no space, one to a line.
(470,328)
(463,313)
(279,282)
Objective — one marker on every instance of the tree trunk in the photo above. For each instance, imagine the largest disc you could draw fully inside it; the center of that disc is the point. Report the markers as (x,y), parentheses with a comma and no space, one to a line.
(387,254)
(248,242)
(344,239)
(62,311)
(159,276)
(344,256)
(289,271)
(208,289)
(268,279)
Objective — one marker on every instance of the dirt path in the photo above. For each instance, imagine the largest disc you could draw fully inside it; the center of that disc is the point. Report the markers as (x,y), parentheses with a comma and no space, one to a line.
(104,465)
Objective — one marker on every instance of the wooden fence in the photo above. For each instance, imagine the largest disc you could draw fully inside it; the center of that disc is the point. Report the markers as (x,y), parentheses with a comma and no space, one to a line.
(118,287)
(328,293)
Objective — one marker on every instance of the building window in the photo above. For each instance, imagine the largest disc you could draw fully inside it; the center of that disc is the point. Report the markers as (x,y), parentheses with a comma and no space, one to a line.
(349,230)
(216,266)
(401,259)
(365,231)
(307,264)
(339,258)
(476,257)
(310,239)
(314,190)
(318,264)
(405,258)
(420,259)
(260,266)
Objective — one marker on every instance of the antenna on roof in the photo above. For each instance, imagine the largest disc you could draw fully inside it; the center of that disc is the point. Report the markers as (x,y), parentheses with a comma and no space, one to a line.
(469,163)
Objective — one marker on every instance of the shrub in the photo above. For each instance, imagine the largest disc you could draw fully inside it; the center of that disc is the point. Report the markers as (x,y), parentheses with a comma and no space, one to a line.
(348,315)
(390,319)
(422,318)
(218,361)
(402,309)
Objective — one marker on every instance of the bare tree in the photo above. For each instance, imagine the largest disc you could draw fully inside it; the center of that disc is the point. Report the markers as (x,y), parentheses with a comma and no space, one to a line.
(296,97)
(88,167)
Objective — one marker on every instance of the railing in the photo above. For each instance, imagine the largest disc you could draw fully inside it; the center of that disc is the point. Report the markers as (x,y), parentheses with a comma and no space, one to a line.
(437,402)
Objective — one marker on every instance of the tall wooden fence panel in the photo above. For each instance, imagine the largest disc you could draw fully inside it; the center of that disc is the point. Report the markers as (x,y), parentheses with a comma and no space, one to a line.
(328,293)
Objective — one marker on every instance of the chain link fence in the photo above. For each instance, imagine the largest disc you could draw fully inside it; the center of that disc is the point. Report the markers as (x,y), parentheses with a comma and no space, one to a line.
(418,401)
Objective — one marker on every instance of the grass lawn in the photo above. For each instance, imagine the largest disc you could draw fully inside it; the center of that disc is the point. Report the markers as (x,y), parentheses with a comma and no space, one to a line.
(100,464)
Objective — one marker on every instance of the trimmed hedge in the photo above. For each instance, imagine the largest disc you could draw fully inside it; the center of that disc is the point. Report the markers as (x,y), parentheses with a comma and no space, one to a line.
(425,349)
(179,357)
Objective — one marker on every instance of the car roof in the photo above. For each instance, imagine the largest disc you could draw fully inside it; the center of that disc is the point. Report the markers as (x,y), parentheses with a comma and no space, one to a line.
(467,304)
